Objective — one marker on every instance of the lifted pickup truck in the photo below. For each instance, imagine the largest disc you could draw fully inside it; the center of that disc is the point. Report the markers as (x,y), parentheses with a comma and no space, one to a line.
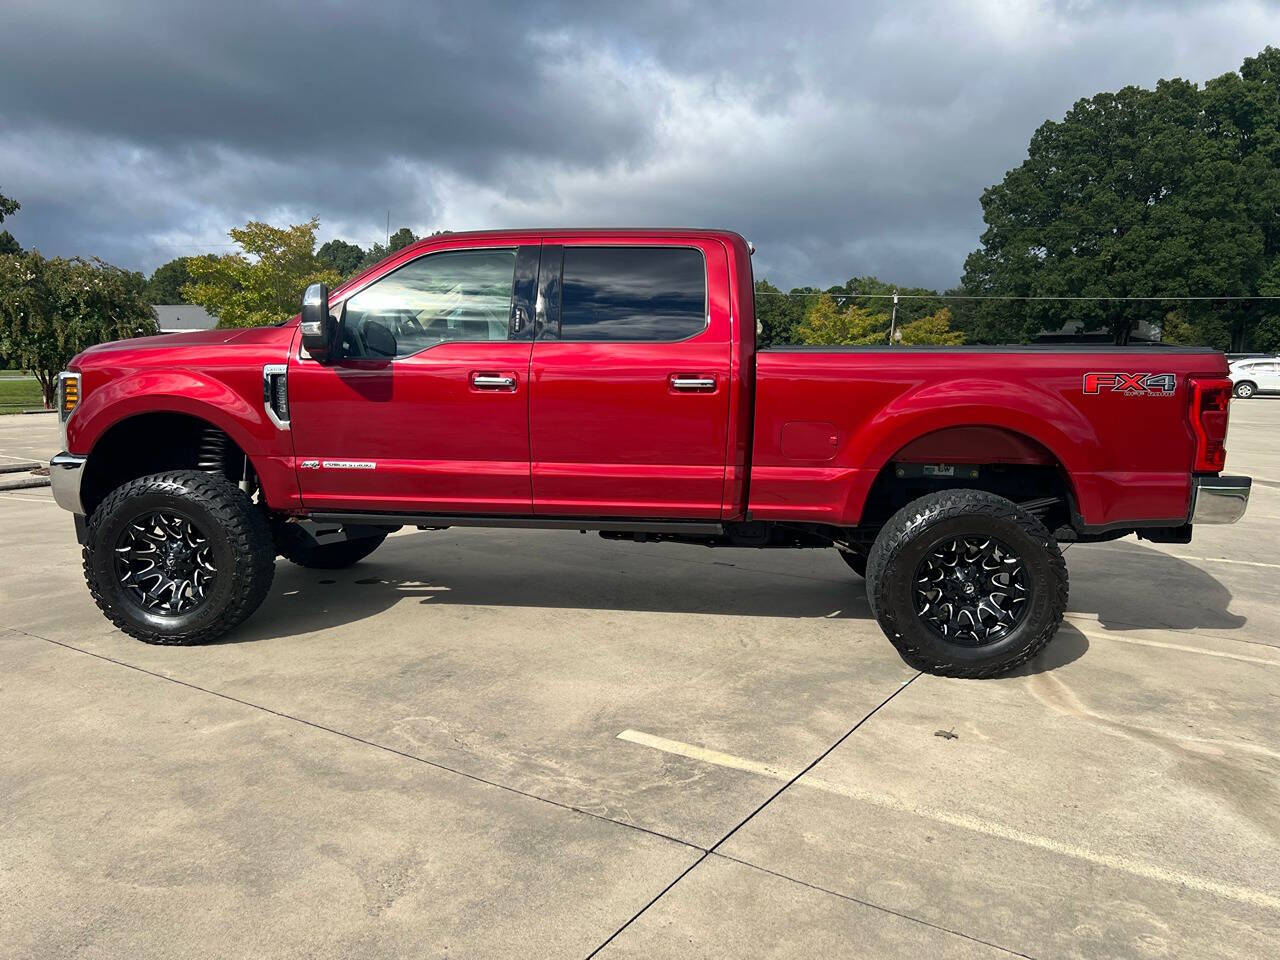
(609,380)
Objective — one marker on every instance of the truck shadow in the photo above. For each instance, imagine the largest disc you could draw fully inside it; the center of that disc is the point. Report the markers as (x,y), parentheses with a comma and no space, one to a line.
(1131,586)
(1148,590)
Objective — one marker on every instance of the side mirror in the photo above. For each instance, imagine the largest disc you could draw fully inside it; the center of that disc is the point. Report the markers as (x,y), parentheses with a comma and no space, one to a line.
(319,328)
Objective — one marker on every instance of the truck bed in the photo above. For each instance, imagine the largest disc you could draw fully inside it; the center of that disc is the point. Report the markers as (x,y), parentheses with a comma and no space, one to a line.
(828,420)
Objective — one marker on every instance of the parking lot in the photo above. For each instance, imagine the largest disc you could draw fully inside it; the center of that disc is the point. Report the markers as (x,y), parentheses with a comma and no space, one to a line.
(532,744)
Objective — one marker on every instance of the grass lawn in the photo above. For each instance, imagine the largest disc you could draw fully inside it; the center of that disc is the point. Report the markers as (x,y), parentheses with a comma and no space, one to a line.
(19,395)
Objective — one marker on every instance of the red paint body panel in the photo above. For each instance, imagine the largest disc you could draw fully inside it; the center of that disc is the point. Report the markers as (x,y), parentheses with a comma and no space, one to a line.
(439,444)
(611,437)
(1128,458)
(595,429)
(215,375)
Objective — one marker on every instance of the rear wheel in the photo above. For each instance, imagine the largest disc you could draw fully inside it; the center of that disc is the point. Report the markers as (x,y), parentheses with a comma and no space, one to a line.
(1245,390)
(178,558)
(966,584)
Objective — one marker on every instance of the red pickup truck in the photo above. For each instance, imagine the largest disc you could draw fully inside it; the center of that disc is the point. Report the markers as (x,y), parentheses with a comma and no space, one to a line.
(609,380)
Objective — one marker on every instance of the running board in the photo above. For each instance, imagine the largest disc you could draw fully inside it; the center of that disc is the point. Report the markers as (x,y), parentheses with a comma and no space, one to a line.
(687,527)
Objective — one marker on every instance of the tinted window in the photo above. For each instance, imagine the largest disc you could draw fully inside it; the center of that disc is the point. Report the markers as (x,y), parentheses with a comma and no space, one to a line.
(453,295)
(632,293)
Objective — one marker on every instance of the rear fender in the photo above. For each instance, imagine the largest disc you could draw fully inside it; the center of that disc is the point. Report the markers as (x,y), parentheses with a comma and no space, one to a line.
(1041,416)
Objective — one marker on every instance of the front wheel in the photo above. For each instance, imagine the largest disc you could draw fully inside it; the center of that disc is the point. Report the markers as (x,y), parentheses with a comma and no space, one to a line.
(1245,390)
(178,558)
(966,584)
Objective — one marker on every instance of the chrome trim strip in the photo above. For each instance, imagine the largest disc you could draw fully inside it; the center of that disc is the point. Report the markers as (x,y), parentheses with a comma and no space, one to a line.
(1219,499)
(66,470)
(268,371)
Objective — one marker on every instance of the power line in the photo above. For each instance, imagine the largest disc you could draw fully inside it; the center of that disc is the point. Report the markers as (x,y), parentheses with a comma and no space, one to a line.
(958,296)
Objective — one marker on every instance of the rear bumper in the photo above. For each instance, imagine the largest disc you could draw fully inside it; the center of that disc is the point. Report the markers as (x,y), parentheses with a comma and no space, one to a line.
(65,473)
(1219,499)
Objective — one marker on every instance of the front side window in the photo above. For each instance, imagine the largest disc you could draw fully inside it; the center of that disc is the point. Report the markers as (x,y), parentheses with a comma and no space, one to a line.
(652,294)
(452,295)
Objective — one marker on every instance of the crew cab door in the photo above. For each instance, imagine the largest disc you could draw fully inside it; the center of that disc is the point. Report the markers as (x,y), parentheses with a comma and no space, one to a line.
(630,380)
(441,424)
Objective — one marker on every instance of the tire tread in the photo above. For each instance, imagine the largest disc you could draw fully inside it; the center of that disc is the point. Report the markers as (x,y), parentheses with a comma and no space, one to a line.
(239,520)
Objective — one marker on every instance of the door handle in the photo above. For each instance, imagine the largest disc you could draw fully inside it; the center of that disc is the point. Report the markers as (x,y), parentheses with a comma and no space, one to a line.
(692,383)
(492,381)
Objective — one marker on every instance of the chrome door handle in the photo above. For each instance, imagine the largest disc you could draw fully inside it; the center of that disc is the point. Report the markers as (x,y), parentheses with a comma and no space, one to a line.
(486,382)
(693,383)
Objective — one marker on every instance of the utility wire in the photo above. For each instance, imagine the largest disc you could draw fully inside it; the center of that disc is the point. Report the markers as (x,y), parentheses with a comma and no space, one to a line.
(958,296)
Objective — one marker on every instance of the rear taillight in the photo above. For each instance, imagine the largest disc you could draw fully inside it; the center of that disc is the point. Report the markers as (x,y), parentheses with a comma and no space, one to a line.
(1210,399)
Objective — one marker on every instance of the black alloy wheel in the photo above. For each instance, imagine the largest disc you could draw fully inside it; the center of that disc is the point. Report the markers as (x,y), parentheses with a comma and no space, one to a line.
(971,590)
(165,563)
(966,583)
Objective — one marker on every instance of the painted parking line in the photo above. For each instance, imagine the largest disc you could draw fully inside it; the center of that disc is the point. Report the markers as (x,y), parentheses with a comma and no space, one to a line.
(1183,556)
(1181,647)
(1137,868)
(13,496)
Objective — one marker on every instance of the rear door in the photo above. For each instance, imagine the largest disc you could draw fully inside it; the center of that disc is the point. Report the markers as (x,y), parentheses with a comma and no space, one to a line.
(629,380)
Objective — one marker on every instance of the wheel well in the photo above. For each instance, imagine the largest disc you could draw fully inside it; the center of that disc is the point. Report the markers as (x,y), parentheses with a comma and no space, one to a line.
(994,459)
(154,442)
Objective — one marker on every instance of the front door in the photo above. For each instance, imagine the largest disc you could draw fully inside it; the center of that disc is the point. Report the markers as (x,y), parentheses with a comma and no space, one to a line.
(630,381)
(428,410)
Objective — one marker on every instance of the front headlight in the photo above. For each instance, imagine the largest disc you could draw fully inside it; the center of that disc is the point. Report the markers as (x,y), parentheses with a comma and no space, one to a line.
(68,400)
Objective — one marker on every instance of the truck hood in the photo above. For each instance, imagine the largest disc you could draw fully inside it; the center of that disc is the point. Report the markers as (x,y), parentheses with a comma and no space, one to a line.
(180,343)
(197,338)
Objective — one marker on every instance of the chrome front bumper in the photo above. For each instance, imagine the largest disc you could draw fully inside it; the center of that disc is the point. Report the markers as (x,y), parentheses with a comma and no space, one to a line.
(1219,499)
(65,473)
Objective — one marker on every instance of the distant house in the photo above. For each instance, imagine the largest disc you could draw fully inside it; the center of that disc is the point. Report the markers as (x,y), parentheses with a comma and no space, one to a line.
(183,318)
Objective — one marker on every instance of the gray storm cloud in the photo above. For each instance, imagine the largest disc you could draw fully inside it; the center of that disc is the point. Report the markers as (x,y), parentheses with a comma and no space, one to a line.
(841,138)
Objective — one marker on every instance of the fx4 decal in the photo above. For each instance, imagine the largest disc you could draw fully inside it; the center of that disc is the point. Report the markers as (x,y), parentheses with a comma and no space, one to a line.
(1131,384)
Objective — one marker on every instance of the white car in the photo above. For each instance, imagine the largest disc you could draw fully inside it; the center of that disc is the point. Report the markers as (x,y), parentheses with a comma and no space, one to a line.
(1261,375)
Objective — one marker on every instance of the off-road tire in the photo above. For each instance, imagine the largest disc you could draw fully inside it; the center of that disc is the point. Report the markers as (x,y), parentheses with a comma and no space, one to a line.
(1244,390)
(237,532)
(857,561)
(297,547)
(920,526)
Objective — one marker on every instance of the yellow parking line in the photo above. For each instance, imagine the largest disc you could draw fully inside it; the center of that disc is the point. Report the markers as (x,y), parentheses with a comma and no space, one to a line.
(1137,868)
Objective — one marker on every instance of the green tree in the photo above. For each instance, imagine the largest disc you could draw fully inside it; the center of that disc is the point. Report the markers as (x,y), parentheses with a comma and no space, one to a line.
(1168,192)
(342,257)
(874,294)
(826,324)
(166,283)
(932,330)
(778,314)
(264,284)
(8,207)
(50,310)
(398,241)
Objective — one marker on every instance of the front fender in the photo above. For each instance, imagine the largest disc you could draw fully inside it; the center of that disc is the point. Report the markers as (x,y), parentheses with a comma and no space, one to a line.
(231,400)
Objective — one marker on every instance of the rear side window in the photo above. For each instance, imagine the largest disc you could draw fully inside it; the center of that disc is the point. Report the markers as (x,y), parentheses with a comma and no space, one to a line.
(649,294)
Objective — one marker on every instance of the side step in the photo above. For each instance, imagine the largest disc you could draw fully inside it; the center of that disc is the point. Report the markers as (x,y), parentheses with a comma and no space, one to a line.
(690,527)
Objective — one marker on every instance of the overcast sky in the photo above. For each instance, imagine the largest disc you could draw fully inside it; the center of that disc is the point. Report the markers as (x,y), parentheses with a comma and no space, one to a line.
(843,138)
